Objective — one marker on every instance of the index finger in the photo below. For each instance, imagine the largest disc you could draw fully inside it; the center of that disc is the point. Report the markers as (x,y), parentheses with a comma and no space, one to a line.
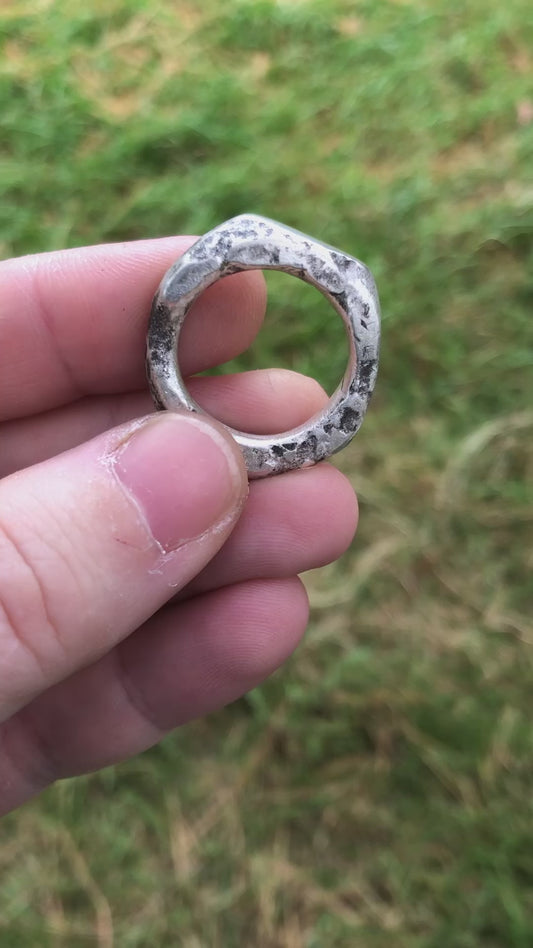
(74,322)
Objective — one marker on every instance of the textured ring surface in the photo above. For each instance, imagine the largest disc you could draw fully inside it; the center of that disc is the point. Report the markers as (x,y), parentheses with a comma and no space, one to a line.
(249,242)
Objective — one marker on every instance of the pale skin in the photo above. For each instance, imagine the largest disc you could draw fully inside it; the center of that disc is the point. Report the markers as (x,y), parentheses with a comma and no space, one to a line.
(142,582)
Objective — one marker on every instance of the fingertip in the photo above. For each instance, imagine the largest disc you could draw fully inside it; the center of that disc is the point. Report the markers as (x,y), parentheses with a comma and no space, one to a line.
(253,293)
(184,473)
(262,401)
(281,608)
(333,511)
(302,392)
(265,622)
(341,510)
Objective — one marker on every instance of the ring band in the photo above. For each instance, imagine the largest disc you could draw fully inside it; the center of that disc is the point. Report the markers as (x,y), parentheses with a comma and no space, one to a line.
(250,242)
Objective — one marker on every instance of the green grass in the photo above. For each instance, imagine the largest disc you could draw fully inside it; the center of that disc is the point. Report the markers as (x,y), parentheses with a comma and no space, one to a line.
(379,790)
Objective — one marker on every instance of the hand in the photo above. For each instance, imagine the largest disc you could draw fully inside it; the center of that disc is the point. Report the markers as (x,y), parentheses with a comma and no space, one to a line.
(140,584)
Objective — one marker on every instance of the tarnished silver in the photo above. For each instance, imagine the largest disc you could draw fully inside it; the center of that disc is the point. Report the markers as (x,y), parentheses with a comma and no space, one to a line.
(249,242)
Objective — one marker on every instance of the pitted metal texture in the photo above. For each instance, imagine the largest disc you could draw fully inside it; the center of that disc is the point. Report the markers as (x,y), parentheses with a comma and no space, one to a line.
(250,242)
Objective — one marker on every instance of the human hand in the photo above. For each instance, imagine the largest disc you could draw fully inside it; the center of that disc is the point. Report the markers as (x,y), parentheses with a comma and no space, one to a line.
(140,584)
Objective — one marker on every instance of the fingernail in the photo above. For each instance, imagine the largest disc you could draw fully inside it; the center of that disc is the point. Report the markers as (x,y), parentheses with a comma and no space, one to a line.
(183,475)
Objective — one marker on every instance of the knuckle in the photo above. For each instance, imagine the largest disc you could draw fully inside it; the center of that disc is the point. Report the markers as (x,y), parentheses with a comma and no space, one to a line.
(28,625)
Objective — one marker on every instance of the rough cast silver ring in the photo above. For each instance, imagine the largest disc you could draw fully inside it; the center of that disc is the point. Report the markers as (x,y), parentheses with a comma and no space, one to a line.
(249,242)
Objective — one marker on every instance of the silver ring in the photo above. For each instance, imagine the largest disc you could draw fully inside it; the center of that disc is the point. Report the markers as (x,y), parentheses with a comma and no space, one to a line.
(249,242)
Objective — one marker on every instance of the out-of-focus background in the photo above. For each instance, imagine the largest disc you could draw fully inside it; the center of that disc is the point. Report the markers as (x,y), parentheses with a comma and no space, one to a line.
(379,790)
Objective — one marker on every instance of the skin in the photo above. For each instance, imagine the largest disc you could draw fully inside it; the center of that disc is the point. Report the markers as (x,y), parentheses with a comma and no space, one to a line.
(138,591)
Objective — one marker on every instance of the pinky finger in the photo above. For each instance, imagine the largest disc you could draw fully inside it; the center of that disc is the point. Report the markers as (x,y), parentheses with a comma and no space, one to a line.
(187,661)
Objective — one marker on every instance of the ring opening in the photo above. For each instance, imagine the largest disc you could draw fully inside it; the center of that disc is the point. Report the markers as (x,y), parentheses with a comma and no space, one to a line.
(301,333)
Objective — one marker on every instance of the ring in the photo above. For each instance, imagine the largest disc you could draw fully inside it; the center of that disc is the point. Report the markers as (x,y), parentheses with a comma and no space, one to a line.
(250,242)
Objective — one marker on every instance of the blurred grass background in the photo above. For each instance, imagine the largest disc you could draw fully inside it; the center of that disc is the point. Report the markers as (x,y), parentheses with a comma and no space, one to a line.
(379,791)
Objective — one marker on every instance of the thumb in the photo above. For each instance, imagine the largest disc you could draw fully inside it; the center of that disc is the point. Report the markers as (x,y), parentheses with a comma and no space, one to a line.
(94,541)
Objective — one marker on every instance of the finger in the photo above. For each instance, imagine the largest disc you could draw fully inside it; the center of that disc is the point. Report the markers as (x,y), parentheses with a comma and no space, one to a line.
(94,541)
(74,323)
(290,524)
(187,661)
(262,401)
